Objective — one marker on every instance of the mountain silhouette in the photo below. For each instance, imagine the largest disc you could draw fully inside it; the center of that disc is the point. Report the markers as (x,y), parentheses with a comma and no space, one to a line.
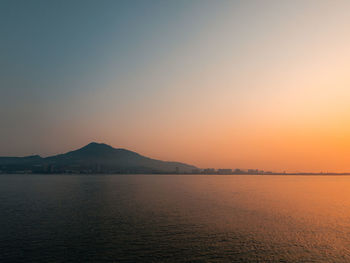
(94,157)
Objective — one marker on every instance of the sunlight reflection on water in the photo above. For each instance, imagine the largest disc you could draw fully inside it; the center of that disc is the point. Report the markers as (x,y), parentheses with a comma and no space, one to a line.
(167,218)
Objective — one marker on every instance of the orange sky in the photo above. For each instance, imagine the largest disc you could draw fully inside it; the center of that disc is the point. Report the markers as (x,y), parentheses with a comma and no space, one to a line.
(244,84)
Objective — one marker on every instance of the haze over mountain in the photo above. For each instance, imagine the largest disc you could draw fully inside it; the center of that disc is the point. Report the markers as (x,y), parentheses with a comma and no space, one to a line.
(93,158)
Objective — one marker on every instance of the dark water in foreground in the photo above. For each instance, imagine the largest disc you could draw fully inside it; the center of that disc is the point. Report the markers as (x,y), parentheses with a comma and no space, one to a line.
(174,218)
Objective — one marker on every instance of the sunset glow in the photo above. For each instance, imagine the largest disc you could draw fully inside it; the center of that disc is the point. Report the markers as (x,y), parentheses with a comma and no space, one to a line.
(231,84)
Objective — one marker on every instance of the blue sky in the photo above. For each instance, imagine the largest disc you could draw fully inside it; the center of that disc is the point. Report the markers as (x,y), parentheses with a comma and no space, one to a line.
(178,80)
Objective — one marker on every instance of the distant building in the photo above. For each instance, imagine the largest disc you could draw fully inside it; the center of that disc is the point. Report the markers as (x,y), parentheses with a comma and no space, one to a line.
(196,171)
(238,171)
(209,171)
(224,171)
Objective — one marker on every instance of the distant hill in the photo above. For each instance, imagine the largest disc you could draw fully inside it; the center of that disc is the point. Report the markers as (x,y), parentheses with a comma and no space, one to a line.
(92,158)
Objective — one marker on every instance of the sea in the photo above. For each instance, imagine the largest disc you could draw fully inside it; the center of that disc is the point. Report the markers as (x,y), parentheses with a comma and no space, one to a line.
(174,218)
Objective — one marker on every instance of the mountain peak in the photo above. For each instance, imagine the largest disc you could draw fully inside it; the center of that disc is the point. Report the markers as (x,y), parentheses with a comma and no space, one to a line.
(91,150)
(96,145)
(95,157)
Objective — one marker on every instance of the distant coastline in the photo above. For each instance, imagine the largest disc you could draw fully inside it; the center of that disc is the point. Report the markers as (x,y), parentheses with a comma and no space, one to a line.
(99,158)
(29,172)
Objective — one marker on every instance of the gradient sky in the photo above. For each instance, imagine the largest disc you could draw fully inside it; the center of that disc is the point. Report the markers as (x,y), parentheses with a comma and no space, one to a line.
(248,84)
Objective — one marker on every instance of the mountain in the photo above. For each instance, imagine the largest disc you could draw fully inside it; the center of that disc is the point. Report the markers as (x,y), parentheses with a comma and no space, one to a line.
(93,158)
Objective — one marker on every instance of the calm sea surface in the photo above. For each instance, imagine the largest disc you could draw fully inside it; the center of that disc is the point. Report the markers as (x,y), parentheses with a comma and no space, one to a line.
(174,218)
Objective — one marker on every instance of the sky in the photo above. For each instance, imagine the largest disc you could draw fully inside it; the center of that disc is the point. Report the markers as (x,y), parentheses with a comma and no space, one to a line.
(229,84)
